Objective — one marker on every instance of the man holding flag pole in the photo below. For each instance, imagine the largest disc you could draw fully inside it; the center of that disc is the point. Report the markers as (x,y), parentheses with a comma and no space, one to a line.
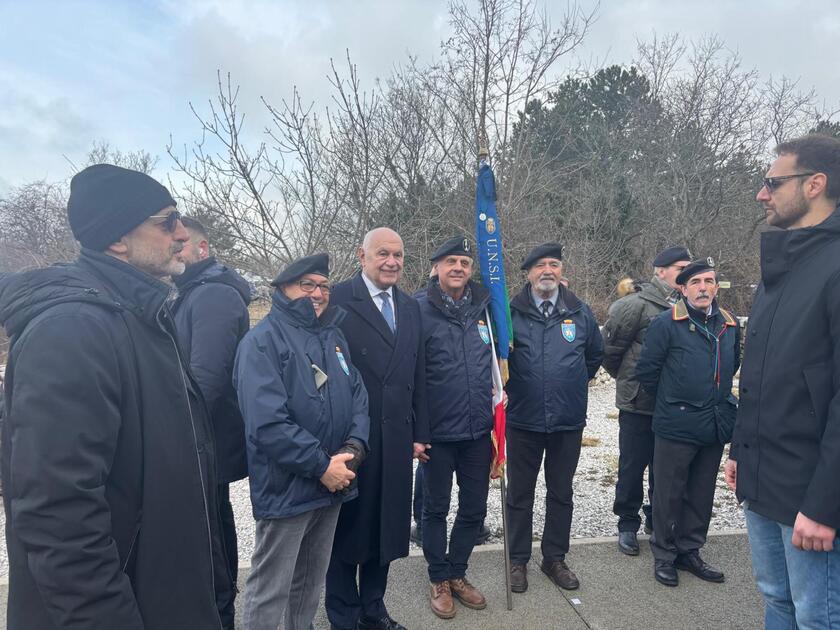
(458,359)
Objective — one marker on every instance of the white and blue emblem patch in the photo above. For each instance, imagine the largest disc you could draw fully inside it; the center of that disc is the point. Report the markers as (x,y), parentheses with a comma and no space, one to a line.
(483,331)
(342,361)
(568,330)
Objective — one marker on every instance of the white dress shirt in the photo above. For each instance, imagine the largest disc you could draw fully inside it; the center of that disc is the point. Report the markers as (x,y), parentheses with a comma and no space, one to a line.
(377,299)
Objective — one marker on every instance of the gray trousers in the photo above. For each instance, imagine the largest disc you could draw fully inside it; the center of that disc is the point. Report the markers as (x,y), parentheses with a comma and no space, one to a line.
(288,568)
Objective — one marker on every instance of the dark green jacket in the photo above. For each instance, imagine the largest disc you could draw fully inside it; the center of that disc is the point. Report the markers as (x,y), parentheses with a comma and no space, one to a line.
(624,334)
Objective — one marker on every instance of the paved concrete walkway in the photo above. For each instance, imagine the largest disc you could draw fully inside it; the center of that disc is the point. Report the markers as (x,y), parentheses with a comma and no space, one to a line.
(617,592)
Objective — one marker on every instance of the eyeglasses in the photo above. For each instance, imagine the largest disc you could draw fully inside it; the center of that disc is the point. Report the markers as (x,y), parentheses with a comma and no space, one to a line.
(772,183)
(170,221)
(307,286)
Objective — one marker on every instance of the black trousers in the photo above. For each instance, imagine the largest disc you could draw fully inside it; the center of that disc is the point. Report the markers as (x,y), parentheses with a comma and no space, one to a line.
(686,475)
(524,456)
(470,461)
(348,600)
(635,453)
(225,600)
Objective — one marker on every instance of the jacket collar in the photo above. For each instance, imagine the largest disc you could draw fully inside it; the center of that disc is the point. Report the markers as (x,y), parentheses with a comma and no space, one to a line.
(301,314)
(194,273)
(524,302)
(130,288)
(781,249)
(480,296)
(682,310)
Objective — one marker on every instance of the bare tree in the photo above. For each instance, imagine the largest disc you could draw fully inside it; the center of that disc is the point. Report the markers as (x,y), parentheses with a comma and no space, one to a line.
(33,227)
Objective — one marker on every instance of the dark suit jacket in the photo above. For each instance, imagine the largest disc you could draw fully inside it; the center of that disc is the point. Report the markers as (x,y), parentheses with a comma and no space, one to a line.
(377,524)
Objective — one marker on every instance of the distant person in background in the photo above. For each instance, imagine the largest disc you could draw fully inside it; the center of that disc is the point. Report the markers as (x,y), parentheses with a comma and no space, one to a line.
(624,333)
(211,314)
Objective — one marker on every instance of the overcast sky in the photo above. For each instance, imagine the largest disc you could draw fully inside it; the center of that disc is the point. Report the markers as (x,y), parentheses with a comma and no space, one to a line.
(124,72)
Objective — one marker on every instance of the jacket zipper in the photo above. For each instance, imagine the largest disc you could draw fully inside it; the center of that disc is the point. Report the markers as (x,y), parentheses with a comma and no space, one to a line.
(197,458)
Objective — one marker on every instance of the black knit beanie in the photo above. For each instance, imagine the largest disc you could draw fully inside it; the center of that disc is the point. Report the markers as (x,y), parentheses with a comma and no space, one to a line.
(107,202)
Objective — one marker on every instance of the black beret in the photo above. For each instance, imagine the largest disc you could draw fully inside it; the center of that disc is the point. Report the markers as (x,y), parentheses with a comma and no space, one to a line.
(546,250)
(695,267)
(671,255)
(315,263)
(455,246)
(106,202)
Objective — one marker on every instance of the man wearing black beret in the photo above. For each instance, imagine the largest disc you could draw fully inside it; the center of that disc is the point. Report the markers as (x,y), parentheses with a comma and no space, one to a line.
(111,516)
(624,333)
(306,427)
(689,356)
(557,348)
(459,388)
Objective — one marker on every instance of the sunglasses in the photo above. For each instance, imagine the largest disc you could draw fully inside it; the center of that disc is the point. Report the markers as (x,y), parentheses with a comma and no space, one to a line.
(307,286)
(773,183)
(170,221)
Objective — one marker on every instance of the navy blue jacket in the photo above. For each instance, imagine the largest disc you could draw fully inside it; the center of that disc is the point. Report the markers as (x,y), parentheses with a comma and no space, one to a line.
(211,314)
(552,361)
(690,373)
(291,427)
(459,385)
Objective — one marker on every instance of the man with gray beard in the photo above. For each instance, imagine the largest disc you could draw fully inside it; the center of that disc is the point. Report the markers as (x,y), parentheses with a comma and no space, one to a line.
(557,348)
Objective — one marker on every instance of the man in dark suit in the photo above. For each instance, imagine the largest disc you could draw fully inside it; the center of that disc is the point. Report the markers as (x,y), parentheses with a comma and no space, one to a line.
(382,327)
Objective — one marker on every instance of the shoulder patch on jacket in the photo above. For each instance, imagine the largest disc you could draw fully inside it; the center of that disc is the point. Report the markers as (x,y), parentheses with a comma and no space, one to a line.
(679,312)
(727,318)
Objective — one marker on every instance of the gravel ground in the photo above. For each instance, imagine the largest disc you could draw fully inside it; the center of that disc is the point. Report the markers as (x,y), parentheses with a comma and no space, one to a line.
(594,487)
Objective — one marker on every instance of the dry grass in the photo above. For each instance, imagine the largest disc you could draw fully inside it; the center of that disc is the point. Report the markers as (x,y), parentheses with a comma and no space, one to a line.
(590,441)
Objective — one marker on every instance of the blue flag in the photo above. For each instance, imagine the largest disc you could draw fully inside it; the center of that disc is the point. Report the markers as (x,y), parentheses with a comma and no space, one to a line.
(488,236)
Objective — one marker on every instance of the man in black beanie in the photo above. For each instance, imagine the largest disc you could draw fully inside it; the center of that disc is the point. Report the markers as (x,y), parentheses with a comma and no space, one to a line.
(111,514)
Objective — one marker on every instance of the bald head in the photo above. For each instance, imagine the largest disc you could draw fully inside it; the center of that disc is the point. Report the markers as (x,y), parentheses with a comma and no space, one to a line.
(381,257)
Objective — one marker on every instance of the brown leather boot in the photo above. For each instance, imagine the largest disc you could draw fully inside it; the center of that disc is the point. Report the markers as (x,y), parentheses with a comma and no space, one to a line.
(467,594)
(440,600)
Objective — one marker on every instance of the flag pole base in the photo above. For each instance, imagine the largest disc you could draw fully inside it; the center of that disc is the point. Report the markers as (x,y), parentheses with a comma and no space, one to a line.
(508,591)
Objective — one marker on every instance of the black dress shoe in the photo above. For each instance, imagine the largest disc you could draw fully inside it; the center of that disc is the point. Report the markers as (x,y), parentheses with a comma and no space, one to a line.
(483,535)
(383,623)
(560,574)
(665,573)
(628,544)
(416,535)
(693,563)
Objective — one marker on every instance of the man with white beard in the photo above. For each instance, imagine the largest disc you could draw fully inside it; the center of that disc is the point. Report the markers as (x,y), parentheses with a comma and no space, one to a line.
(557,348)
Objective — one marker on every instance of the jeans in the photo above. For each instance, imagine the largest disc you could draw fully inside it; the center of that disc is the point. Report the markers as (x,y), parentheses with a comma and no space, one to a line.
(801,589)
(288,569)
(470,461)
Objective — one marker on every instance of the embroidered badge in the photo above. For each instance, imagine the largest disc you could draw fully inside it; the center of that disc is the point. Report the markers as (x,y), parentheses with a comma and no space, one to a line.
(341,361)
(483,331)
(568,330)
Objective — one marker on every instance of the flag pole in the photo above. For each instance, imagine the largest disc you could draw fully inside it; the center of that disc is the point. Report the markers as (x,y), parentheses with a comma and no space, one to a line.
(502,485)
